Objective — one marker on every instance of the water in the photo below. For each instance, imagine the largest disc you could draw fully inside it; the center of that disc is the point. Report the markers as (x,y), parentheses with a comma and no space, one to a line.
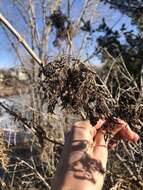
(6,121)
(13,131)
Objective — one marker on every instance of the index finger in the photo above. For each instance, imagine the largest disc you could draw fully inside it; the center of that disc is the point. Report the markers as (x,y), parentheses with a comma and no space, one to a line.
(100,123)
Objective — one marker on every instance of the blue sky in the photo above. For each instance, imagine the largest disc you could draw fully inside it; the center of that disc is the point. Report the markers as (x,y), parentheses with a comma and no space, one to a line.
(8,58)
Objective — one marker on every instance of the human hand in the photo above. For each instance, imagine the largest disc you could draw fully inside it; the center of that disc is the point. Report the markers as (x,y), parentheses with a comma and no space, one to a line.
(85,154)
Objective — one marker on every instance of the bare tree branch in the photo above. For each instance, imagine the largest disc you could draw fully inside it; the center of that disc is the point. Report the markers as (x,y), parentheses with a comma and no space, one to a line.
(20,39)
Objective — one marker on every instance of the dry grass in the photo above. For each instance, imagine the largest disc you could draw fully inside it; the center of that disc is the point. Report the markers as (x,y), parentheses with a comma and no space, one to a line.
(3,151)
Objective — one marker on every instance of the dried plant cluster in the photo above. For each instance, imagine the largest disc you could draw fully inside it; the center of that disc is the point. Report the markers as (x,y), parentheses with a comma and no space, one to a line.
(76,86)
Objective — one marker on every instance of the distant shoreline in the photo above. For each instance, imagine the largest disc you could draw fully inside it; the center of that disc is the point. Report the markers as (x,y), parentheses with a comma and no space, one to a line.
(12,90)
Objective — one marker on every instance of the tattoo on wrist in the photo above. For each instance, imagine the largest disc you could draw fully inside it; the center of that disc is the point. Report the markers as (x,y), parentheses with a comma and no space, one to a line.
(85,167)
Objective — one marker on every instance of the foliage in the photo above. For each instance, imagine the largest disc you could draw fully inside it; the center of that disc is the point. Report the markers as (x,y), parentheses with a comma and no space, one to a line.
(131,50)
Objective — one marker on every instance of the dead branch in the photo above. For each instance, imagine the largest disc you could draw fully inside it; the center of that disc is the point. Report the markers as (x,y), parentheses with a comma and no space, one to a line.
(20,39)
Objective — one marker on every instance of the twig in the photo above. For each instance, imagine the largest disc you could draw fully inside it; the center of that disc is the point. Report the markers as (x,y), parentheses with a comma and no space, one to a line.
(16,51)
(34,129)
(13,175)
(35,171)
(20,39)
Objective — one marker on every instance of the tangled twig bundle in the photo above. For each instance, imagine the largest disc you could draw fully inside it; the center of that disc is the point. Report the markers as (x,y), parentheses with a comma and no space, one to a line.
(71,83)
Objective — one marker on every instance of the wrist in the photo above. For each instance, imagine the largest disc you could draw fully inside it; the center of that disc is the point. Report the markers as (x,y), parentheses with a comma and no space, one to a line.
(84,172)
(82,180)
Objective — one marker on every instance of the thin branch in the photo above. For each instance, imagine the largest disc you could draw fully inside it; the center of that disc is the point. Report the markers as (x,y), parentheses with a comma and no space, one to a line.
(33,24)
(34,170)
(47,29)
(27,125)
(20,39)
(16,52)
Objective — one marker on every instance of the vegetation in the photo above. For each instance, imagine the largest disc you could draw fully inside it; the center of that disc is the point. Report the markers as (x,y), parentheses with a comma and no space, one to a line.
(66,87)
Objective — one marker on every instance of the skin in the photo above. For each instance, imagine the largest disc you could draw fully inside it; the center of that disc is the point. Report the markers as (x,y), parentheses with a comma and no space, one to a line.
(84,159)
